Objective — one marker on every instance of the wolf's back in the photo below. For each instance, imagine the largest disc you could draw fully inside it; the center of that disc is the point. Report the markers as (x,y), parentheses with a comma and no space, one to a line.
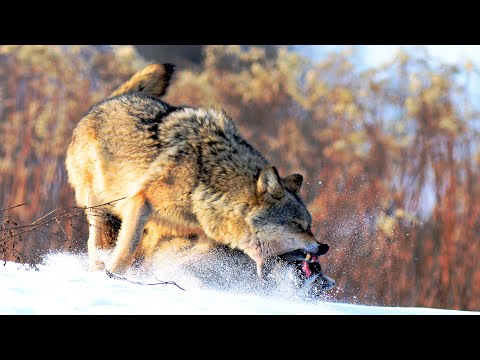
(131,139)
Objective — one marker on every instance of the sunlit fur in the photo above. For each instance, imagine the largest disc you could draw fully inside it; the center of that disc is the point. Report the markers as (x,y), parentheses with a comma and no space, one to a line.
(182,171)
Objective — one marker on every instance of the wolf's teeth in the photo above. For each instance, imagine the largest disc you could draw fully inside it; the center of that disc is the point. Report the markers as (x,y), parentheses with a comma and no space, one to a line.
(308,256)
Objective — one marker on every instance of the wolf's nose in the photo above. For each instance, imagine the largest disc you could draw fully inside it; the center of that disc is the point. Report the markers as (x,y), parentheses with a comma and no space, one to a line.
(312,247)
(323,249)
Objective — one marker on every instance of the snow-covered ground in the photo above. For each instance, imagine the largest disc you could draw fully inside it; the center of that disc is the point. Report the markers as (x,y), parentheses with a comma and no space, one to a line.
(62,285)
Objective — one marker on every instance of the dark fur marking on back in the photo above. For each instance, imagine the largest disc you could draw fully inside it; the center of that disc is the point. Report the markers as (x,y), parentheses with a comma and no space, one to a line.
(199,171)
(159,117)
(243,142)
(221,134)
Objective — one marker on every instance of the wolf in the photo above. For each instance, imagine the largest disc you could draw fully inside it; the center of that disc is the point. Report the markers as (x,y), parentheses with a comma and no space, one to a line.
(183,172)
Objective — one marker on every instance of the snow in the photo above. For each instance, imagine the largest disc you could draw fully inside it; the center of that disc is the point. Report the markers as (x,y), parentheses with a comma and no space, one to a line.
(62,285)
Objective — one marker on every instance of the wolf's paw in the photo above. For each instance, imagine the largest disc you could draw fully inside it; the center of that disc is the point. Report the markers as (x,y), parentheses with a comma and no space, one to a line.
(96,265)
(116,267)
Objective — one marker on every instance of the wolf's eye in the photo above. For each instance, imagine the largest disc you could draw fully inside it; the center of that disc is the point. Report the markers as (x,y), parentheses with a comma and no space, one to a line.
(298,226)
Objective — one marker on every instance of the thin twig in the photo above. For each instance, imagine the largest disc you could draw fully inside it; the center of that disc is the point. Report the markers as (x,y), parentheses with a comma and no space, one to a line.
(13,207)
(43,217)
(11,230)
(160,282)
(67,214)
(64,233)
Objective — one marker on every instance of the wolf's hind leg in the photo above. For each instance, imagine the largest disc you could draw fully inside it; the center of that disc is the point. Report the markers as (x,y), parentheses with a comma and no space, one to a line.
(135,214)
(110,228)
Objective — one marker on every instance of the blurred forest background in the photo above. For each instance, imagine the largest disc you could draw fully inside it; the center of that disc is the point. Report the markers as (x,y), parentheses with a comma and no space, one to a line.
(389,154)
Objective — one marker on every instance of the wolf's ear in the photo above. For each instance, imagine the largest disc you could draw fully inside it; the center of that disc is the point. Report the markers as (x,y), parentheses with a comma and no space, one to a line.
(269,183)
(293,182)
(152,80)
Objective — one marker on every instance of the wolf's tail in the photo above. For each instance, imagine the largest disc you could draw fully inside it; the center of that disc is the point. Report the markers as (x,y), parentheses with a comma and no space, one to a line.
(152,80)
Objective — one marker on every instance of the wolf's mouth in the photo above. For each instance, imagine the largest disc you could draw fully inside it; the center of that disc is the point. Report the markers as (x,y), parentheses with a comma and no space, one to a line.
(304,255)
(309,262)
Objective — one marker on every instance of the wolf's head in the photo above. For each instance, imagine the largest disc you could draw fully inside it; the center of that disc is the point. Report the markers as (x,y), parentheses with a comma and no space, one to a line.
(281,225)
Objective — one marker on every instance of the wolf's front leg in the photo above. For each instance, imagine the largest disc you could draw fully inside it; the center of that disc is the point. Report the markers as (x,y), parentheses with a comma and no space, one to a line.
(94,234)
(135,213)
(94,238)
